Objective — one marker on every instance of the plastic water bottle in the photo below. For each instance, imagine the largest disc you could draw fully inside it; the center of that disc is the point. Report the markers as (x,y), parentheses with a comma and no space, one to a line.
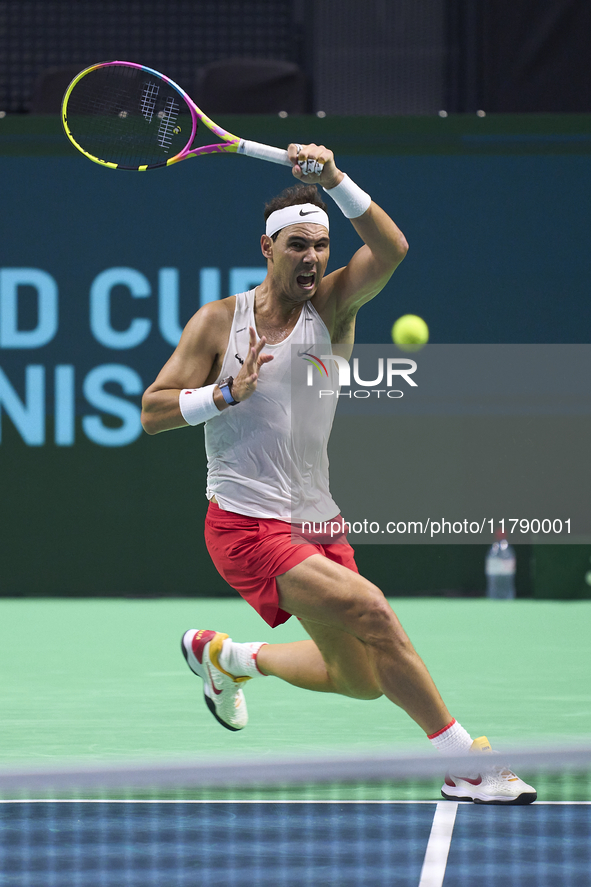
(500,569)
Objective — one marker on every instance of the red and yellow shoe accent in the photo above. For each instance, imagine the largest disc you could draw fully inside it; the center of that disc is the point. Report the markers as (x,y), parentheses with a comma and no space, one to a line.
(488,783)
(222,691)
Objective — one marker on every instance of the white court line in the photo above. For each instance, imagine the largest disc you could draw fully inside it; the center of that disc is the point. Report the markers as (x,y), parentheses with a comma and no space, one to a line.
(435,862)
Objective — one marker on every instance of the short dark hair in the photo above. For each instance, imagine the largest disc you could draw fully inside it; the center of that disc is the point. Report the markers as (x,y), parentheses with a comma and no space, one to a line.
(293,196)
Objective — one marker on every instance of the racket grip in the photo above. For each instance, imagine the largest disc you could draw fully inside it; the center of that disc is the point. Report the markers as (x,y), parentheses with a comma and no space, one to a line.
(263,152)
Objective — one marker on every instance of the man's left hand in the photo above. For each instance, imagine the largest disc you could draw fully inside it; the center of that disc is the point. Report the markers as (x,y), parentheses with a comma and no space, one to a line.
(314,165)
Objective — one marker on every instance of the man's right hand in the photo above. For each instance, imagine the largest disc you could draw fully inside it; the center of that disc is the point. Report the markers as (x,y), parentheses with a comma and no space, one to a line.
(245,382)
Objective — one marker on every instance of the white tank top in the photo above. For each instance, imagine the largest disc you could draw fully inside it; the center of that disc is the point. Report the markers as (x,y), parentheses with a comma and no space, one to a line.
(259,462)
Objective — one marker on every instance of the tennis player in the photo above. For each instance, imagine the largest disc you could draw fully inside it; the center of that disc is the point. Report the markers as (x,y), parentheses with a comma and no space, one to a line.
(231,372)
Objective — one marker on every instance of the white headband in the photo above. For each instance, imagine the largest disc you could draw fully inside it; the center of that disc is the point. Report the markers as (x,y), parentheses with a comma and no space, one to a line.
(295,215)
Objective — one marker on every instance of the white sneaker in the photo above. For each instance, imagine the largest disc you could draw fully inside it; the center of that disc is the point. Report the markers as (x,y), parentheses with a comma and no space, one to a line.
(488,784)
(223,693)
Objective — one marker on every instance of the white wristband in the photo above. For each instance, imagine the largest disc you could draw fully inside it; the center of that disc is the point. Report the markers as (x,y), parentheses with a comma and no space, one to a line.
(350,198)
(197,405)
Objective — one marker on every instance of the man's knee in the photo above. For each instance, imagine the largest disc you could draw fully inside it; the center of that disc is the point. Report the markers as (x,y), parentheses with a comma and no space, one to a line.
(372,616)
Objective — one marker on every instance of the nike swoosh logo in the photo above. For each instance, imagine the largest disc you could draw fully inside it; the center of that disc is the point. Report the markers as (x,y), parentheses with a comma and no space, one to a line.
(214,688)
(309,213)
(241,329)
(471,781)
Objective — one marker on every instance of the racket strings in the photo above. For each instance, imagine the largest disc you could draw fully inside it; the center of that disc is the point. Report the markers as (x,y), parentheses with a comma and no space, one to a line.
(122,115)
(148,100)
(168,124)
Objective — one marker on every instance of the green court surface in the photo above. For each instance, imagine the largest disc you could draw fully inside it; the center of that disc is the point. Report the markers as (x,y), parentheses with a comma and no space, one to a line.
(103,680)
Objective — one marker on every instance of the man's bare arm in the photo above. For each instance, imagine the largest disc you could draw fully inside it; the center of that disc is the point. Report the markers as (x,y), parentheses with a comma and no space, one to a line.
(195,364)
(384,247)
(188,367)
(372,266)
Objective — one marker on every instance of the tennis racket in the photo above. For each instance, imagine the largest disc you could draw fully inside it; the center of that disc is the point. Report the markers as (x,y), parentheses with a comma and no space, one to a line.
(127,116)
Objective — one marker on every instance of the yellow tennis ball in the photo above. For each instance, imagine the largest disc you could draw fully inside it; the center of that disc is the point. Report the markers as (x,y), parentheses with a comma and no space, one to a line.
(410,332)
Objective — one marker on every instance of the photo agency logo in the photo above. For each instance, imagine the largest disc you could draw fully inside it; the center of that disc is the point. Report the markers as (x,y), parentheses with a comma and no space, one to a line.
(332,370)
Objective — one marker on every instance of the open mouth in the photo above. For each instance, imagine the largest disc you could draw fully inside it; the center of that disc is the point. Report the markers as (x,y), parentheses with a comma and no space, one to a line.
(307,280)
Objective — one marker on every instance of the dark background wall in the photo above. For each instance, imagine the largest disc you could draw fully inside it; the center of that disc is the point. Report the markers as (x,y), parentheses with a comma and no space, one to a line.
(177,37)
(371,57)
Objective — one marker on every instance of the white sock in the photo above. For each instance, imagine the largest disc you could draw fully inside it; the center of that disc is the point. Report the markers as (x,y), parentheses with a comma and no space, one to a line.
(240,660)
(452,740)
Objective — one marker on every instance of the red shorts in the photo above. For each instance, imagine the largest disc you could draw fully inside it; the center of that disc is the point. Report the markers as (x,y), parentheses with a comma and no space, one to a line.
(249,552)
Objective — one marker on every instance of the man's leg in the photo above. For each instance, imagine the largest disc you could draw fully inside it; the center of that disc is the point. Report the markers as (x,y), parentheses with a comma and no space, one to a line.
(358,648)
(323,593)
(332,662)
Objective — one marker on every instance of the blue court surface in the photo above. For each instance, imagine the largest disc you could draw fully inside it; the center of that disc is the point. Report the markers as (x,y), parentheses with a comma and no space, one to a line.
(290,844)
